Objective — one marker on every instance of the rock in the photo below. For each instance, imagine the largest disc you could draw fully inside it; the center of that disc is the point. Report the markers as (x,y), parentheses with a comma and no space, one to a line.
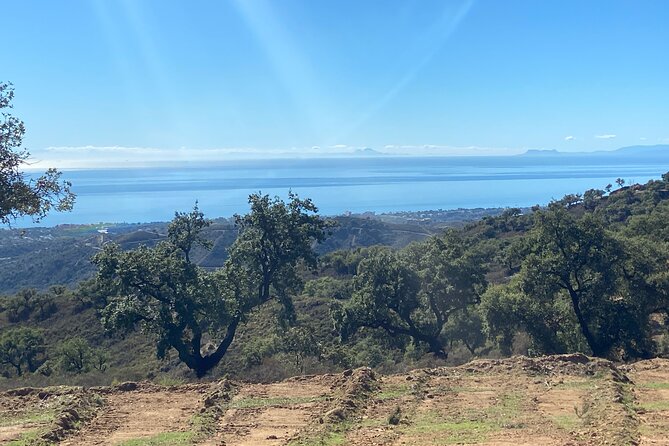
(128,386)
(22,391)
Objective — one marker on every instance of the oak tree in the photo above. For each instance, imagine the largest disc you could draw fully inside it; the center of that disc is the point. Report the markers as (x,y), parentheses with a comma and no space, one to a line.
(21,194)
(197,312)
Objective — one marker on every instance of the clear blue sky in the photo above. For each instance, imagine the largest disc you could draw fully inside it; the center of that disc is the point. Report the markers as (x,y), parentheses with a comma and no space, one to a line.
(272,76)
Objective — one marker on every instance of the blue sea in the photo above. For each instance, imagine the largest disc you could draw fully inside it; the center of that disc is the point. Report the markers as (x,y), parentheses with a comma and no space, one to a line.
(339,185)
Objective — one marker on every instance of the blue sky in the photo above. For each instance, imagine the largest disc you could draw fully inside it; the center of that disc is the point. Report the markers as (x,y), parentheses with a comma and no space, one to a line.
(103,80)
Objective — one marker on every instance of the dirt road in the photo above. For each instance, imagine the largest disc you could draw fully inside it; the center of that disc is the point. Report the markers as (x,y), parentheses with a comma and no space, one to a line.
(560,400)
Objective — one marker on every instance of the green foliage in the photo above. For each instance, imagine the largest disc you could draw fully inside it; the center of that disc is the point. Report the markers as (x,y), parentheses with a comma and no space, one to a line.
(75,355)
(467,326)
(578,284)
(345,262)
(28,302)
(551,324)
(21,348)
(414,293)
(20,306)
(20,195)
(299,343)
(327,287)
(183,305)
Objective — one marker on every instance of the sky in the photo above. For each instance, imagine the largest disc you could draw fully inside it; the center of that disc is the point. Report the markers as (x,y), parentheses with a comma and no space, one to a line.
(139,81)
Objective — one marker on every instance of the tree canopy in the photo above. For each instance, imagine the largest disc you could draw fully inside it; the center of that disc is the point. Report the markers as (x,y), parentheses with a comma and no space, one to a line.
(414,293)
(22,348)
(21,195)
(197,312)
(580,287)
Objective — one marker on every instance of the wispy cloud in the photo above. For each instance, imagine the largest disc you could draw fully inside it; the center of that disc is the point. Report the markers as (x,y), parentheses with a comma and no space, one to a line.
(569,138)
(102,149)
(89,156)
(605,136)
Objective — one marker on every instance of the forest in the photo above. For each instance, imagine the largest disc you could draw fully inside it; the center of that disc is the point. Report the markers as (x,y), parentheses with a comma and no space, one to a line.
(587,273)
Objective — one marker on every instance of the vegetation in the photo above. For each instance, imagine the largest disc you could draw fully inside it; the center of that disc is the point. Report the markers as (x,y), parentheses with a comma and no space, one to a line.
(414,293)
(22,348)
(587,273)
(20,195)
(183,305)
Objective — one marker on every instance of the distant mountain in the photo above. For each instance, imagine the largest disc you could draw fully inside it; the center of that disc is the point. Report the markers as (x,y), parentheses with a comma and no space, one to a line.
(539,152)
(368,152)
(659,150)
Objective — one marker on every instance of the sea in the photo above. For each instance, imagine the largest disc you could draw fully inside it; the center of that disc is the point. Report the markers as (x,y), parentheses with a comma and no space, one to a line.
(344,185)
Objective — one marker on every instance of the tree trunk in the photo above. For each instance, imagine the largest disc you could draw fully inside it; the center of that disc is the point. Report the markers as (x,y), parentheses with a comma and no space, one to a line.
(434,344)
(596,348)
(201,365)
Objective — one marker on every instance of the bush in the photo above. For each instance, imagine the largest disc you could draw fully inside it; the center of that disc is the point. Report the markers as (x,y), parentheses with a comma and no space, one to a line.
(22,349)
(77,356)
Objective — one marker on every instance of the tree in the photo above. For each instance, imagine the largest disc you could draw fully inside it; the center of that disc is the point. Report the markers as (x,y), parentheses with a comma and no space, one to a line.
(468,328)
(551,324)
(299,343)
(22,348)
(19,194)
(21,305)
(75,355)
(414,293)
(186,307)
(592,197)
(578,282)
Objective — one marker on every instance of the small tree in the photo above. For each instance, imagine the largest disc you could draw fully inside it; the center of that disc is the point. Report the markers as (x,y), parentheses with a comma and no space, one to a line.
(161,290)
(75,355)
(591,198)
(45,305)
(21,305)
(22,348)
(99,359)
(299,343)
(19,194)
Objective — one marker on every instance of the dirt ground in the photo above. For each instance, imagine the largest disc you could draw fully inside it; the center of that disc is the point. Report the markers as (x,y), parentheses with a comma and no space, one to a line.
(141,413)
(558,400)
(651,395)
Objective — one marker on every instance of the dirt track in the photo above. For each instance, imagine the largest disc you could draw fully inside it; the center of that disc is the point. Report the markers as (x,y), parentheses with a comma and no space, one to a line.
(141,413)
(563,400)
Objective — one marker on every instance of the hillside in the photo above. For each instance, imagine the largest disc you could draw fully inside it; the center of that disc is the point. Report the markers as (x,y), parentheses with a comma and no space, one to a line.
(555,400)
(41,257)
(266,349)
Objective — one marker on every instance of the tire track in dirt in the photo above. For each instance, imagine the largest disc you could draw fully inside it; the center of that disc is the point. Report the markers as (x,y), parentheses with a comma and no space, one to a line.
(143,412)
(651,399)
(492,409)
(272,414)
(563,400)
(559,400)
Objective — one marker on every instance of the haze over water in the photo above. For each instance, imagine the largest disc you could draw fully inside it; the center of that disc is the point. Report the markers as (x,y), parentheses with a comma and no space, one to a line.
(339,185)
